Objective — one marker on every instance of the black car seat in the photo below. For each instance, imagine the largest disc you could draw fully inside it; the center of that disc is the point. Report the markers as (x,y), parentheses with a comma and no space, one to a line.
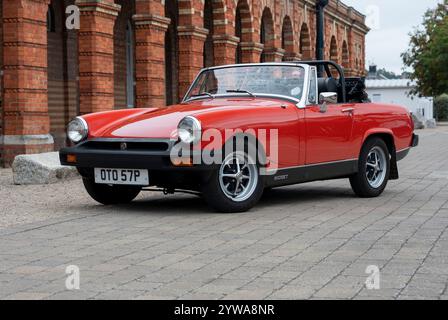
(327,85)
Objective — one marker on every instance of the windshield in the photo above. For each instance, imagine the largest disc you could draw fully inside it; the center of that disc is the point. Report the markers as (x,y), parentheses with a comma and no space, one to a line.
(253,80)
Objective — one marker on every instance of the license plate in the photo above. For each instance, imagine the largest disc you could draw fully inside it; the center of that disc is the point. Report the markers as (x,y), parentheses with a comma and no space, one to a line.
(133,177)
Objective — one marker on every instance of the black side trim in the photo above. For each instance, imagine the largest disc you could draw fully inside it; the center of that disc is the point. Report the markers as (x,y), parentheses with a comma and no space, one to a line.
(325,171)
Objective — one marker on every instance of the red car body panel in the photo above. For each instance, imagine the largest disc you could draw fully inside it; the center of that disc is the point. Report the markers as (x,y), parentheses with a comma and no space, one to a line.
(328,135)
(254,114)
(305,136)
(240,132)
(338,135)
(383,118)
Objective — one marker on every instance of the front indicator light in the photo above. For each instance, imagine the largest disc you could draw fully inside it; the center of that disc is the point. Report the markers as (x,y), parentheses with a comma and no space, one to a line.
(182,162)
(71,158)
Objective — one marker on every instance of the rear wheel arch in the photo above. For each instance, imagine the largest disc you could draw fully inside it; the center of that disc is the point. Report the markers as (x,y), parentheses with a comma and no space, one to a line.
(374,168)
(388,138)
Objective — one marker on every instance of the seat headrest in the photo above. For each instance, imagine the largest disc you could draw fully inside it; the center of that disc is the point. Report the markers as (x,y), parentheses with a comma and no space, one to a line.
(327,85)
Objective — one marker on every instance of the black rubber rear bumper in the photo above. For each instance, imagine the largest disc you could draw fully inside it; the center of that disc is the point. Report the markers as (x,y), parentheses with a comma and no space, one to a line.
(403,153)
(415,140)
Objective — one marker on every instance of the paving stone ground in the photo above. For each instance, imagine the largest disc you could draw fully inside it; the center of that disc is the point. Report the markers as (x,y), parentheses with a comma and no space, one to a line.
(312,241)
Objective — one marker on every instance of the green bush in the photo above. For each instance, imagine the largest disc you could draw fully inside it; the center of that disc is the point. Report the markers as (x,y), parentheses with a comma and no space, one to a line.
(441,107)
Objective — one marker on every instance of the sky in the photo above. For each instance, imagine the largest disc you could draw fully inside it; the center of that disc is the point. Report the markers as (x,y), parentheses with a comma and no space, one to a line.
(391,22)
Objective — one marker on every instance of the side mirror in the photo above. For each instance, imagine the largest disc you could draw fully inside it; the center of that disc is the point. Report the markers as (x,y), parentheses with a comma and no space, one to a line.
(327,97)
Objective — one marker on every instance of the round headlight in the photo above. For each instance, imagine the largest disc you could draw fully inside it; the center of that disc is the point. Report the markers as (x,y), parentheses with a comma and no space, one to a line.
(189,130)
(77,130)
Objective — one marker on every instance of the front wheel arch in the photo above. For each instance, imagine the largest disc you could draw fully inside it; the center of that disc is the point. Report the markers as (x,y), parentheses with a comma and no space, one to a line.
(216,197)
(248,139)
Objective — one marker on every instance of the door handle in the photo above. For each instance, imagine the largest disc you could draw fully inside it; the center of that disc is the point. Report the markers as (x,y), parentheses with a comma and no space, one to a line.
(348,110)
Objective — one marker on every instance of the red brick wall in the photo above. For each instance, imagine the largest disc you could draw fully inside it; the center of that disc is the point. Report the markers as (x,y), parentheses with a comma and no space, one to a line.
(62,74)
(96,55)
(1,80)
(25,94)
(171,54)
(120,67)
(283,22)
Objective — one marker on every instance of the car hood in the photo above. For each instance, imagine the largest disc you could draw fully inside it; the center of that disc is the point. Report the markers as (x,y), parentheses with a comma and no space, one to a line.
(162,123)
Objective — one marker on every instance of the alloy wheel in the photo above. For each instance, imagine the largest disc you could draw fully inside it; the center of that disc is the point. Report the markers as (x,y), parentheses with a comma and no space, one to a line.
(376,167)
(238,177)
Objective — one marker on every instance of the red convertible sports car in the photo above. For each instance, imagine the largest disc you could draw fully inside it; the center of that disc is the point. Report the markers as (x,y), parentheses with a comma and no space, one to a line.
(242,129)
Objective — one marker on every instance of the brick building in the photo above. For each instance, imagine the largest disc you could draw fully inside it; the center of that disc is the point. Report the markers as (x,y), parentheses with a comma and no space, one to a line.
(141,53)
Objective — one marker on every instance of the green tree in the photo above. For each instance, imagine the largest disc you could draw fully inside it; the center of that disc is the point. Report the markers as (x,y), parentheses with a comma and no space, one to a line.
(441,107)
(428,53)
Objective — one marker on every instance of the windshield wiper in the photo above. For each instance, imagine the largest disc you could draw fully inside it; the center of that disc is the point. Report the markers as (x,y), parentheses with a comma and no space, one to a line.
(202,94)
(241,91)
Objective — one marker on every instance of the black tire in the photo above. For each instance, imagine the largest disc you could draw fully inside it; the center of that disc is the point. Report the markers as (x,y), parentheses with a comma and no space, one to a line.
(361,184)
(216,198)
(109,195)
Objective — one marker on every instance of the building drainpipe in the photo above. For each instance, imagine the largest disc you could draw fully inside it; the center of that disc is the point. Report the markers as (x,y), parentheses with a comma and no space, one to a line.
(320,30)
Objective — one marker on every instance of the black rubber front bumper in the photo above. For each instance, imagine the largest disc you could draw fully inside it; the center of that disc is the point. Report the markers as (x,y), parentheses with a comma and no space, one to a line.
(114,159)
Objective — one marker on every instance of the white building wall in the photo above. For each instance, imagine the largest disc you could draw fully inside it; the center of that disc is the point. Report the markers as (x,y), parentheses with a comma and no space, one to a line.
(422,106)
